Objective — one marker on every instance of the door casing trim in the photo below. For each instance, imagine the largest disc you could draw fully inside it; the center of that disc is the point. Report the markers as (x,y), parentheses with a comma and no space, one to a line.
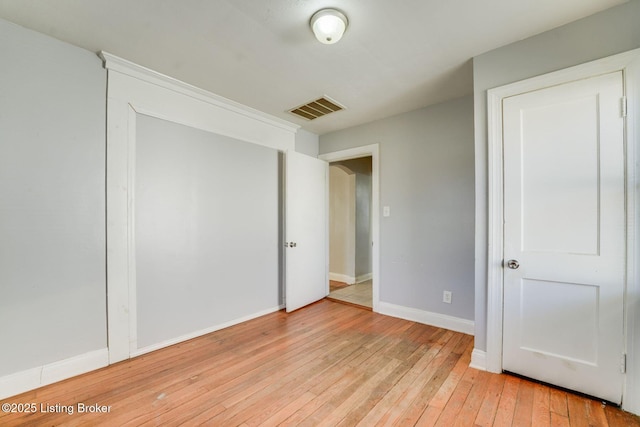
(629,64)
(134,90)
(372,150)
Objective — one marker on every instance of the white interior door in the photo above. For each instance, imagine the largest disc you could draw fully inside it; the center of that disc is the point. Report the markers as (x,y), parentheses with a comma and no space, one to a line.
(564,225)
(306,230)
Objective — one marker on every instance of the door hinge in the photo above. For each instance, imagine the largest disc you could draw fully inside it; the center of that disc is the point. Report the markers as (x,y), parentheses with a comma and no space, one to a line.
(623,106)
(623,363)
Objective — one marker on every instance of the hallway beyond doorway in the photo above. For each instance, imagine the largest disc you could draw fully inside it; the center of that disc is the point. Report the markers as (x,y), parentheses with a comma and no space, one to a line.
(358,294)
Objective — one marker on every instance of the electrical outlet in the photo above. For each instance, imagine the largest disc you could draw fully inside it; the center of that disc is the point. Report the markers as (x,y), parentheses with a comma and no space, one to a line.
(446,297)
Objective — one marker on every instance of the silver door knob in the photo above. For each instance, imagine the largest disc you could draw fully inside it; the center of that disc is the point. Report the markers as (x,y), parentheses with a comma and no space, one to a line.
(513,264)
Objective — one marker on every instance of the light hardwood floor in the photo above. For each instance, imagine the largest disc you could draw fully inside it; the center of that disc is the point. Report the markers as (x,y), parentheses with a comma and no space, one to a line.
(360,294)
(328,364)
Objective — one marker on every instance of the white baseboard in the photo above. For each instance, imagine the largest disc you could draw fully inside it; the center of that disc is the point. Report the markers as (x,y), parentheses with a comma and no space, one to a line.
(350,280)
(428,318)
(201,332)
(338,277)
(478,359)
(13,384)
(364,277)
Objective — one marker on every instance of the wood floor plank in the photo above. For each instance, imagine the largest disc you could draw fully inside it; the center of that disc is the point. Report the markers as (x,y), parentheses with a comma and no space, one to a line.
(489,407)
(595,413)
(243,389)
(479,385)
(427,352)
(326,364)
(275,393)
(363,408)
(444,393)
(524,404)
(577,406)
(558,402)
(345,384)
(541,412)
(396,393)
(507,404)
(354,362)
(558,420)
(336,395)
(462,407)
(419,395)
(428,389)
(175,369)
(281,415)
(429,416)
(241,380)
(347,410)
(437,403)
(618,418)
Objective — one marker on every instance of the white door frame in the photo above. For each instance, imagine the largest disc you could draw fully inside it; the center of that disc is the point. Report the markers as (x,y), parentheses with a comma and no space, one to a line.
(372,150)
(629,64)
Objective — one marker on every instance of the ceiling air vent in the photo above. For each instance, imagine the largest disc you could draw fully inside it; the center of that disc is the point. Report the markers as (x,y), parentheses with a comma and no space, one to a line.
(318,108)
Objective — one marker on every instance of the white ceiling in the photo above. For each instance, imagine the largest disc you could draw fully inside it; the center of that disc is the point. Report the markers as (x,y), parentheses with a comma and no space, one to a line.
(396,56)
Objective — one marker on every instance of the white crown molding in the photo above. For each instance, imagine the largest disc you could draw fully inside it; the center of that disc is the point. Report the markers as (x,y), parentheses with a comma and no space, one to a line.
(115,63)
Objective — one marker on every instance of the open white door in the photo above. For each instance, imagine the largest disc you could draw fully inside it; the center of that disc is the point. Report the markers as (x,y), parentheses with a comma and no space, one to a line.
(564,235)
(306,279)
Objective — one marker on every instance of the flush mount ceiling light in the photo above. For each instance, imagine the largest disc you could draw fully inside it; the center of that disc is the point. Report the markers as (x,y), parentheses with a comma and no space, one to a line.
(328,25)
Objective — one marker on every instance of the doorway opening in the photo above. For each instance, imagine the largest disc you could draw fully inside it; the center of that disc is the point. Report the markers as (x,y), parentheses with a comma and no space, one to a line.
(373,151)
(350,231)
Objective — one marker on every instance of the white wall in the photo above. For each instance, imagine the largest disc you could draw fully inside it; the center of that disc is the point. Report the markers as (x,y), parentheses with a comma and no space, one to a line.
(426,177)
(52,204)
(206,221)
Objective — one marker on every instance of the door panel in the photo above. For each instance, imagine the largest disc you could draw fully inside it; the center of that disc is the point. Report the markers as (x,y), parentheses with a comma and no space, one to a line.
(572,208)
(564,224)
(306,230)
(575,314)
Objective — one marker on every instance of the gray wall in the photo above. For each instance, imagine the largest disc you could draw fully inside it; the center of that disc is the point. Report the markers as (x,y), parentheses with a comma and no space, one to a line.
(612,31)
(307,143)
(363,222)
(206,218)
(52,204)
(426,177)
